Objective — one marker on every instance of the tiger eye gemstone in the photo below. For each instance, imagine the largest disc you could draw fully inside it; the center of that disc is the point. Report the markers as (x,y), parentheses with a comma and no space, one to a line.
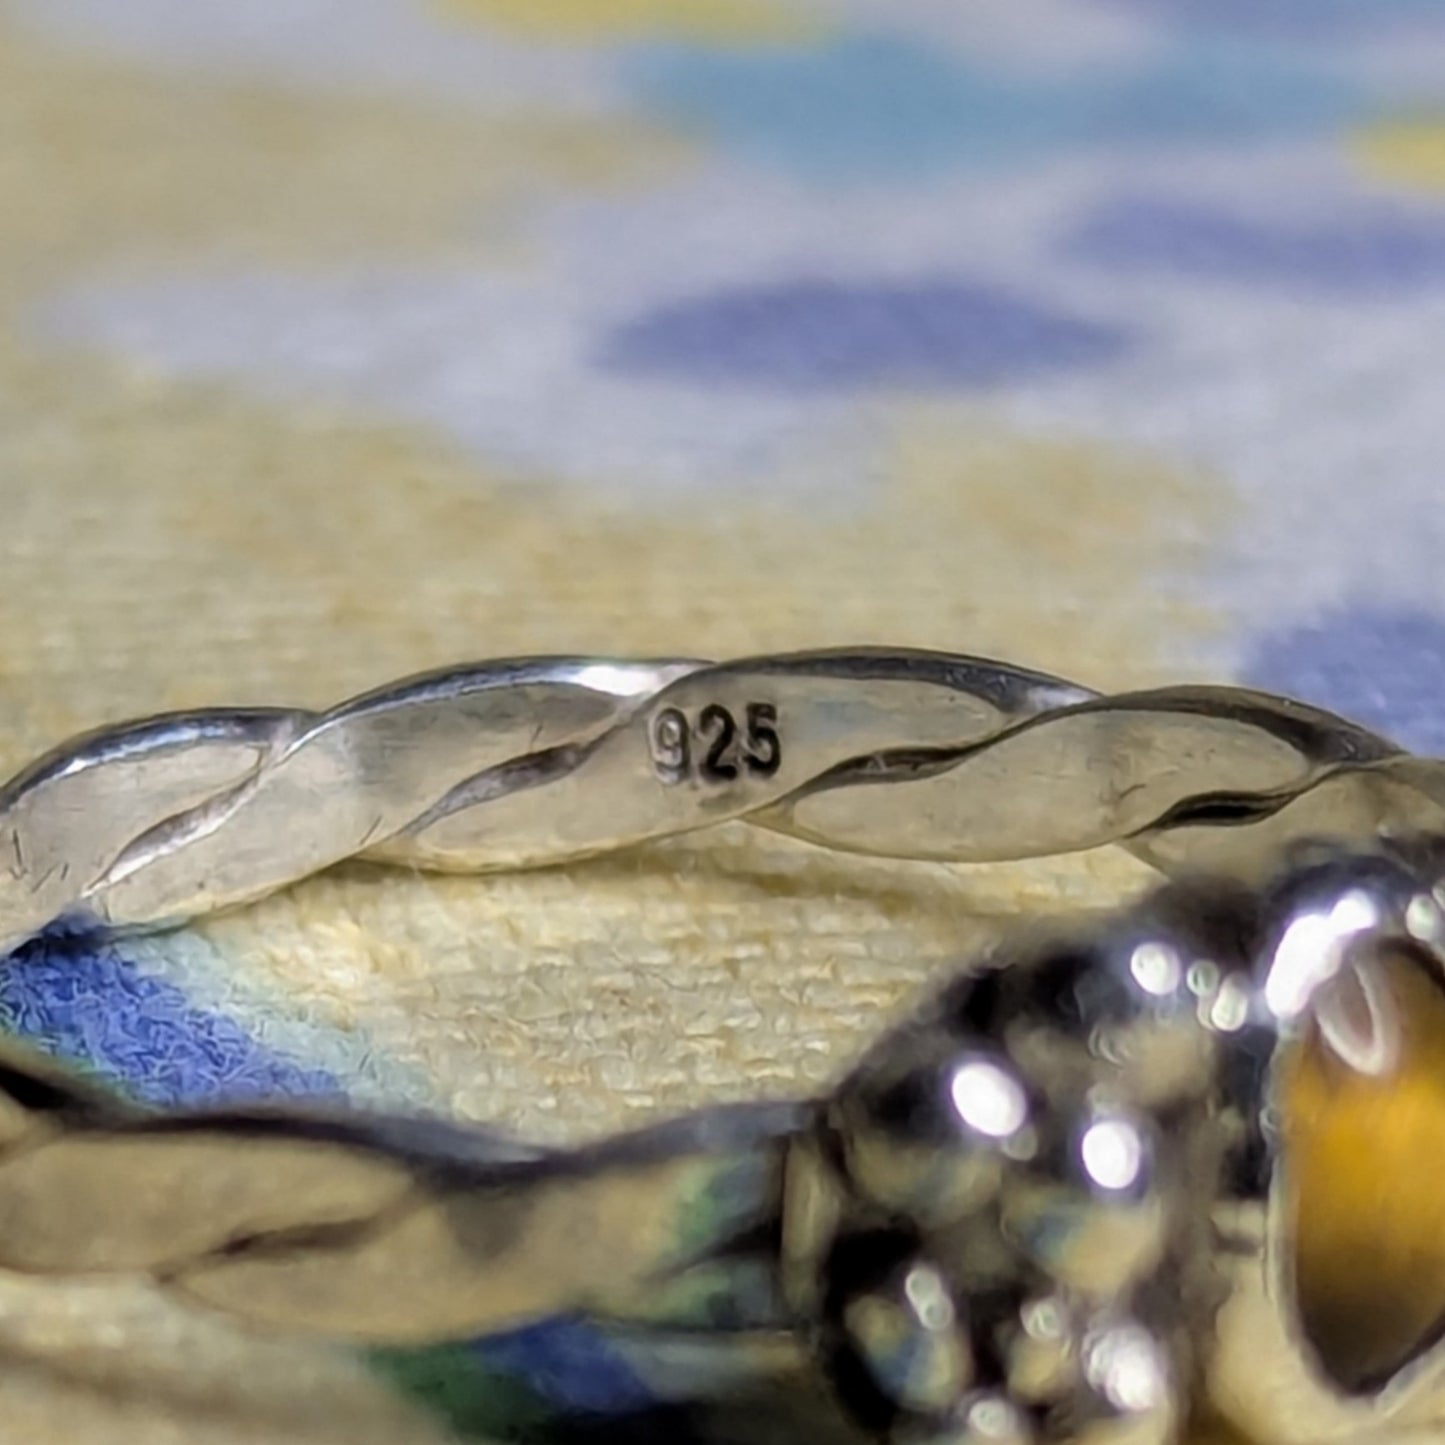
(1361,1097)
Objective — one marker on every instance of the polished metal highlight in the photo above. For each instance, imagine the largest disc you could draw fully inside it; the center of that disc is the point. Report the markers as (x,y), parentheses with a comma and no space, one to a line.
(1058,1204)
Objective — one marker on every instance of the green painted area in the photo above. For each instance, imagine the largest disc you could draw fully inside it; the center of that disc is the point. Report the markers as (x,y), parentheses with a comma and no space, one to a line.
(722,1196)
(476,1401)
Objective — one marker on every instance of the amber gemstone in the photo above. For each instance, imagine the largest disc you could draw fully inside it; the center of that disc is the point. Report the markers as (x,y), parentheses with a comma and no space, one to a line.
(1365,1172)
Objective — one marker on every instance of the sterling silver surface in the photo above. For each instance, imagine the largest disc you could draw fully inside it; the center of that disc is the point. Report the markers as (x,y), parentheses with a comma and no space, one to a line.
(1053,1206)
(530,761)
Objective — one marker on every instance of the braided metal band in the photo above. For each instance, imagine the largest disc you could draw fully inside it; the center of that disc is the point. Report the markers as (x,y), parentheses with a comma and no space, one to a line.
(515,763)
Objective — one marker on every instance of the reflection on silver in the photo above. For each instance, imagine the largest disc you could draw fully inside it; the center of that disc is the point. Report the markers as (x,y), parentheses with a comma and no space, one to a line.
(619,679)
(1156,968)
(1202,977)
(1424,919)
(1311,951)
(1112,1153)
(910,1341)
(1044,1319)
(1228,1010)
(993,1420)
(928,1294)
(1127,1366)
(1359,1020)
(989,1099)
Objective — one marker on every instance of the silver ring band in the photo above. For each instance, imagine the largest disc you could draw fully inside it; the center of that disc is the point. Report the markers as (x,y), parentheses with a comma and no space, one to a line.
(533,761)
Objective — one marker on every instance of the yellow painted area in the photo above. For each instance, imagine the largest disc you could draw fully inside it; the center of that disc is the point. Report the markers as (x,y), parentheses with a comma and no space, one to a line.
(1409,152)
(1366,1188)
(106,166)
(598,21)
(1209,1428)
(114,1361)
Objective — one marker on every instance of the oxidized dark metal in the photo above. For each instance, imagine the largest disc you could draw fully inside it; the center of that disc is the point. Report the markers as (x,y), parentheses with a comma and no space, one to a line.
(1057,1204)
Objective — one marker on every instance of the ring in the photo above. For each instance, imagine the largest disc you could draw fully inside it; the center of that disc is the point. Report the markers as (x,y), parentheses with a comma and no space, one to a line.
(1083,1194)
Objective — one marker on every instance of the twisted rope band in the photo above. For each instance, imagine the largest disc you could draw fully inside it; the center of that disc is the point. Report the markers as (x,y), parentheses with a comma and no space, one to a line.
(516,763)
(390,1230)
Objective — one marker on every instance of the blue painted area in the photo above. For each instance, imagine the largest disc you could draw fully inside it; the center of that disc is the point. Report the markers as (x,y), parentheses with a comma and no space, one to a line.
(1381,666)
(880,108)
(1215,95)
(527,1386)
(1296,19)
(1347,255)
(836,336)
(571,1364)
(78,997)
(861,107)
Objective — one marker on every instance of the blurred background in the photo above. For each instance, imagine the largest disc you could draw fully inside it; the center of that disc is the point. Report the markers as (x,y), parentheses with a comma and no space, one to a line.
(340,339)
